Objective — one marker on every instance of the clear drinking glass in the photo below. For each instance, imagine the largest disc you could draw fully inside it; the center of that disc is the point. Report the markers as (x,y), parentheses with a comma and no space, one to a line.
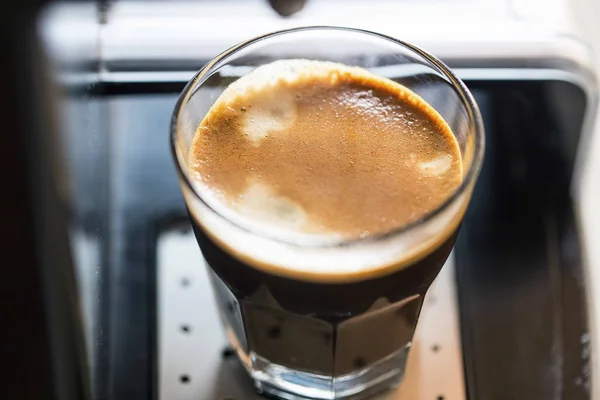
(322,335)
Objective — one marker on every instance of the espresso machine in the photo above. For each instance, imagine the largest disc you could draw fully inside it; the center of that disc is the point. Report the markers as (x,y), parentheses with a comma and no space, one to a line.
(106,295)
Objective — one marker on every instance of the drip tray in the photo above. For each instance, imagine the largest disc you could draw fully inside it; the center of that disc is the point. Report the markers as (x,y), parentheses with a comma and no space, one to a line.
(195,363)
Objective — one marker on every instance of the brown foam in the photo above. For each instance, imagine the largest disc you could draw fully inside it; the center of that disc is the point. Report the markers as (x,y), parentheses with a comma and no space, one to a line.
(326,149)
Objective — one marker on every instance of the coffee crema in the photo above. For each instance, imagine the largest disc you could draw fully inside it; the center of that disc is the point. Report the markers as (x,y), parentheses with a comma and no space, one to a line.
(324,149)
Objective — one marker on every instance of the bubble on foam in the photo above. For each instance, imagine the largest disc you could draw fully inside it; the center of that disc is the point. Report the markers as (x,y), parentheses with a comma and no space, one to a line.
(259,201)
(273,111)
(436,166)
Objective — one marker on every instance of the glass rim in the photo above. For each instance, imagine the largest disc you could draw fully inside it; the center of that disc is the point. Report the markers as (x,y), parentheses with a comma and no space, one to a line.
(473,114)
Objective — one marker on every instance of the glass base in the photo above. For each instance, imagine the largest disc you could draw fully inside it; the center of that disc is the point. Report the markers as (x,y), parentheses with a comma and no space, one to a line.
(284,383)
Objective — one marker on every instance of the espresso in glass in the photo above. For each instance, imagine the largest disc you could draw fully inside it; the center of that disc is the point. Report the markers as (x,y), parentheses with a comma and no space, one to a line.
(325,199)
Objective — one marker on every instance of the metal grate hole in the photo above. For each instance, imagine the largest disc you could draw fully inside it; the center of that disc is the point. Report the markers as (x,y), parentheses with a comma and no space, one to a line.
(186,379)
(227,352)
(184,229)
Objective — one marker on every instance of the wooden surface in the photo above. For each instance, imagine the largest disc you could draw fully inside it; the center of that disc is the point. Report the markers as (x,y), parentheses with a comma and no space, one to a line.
(191,340)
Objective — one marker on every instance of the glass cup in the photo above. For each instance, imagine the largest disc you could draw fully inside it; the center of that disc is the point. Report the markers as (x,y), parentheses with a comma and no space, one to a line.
(306,331)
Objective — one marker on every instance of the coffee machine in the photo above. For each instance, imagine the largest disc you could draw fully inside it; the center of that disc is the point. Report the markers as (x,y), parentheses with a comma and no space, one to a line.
(107,298)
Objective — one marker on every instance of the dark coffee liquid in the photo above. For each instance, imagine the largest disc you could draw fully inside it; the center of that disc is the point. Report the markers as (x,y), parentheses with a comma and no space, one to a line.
(326,329)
